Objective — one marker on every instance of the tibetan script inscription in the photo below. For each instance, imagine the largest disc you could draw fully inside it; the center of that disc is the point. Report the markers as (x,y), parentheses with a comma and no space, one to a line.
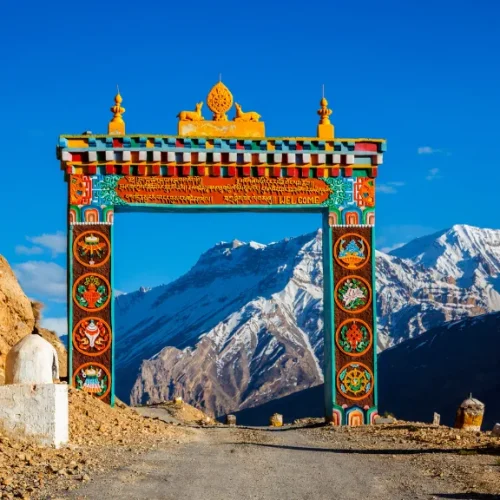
(222,191)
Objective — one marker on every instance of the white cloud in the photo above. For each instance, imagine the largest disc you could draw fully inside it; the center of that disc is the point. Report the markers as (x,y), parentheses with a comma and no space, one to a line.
(389,187)
(58,325)
(427,150)
(46,280)
(391,248)
(55,242)
(433,174)
(23,250)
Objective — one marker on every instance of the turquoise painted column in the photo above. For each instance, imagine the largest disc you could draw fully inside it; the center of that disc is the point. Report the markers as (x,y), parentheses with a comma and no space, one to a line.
(329,321)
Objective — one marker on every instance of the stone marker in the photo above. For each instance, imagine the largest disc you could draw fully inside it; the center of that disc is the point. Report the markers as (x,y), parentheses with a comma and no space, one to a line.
(470,415)
(276,420)
(178,401)
(437,419)
(496,430)
(231,420)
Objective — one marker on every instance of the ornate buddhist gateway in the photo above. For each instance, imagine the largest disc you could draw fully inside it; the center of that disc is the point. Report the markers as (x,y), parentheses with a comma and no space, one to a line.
(228,163)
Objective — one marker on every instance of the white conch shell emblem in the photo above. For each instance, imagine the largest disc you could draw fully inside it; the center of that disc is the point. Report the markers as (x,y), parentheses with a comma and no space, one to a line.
(92,332)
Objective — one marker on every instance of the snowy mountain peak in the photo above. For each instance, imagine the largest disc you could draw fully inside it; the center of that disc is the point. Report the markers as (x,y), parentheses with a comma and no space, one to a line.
(457,252)
(245,324)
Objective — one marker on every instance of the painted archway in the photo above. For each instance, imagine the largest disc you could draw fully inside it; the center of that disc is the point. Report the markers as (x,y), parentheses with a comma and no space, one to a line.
(228,165)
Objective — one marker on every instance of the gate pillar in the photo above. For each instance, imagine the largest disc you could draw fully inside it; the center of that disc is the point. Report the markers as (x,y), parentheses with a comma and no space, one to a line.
(350,305)
(90,293)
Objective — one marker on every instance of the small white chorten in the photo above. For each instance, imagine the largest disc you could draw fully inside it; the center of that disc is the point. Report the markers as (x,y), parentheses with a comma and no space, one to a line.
(30,402)
(33,360)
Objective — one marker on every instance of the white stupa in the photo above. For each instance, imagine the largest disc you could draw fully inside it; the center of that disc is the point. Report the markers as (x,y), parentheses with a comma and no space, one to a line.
(30,402)
(33,360)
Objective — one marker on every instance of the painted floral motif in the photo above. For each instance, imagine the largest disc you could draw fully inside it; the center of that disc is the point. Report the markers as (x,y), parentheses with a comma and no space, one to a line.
(91,248)
(352,251)
(355,381)
(354,337)
(91,292)
(341,191)
(106,188)
(92,378)
(92,336)
(80,190)
(353,294)
(364,192)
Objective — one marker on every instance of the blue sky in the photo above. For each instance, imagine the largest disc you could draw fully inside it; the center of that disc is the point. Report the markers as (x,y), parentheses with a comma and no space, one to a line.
(421,74)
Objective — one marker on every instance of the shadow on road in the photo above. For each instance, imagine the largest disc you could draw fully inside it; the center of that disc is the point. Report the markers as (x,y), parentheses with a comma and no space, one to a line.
(479,451)
(468,496)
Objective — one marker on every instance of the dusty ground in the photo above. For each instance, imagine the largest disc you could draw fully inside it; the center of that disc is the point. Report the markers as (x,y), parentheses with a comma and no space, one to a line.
(173,413)
(102,438)
(400,461)
(117,453)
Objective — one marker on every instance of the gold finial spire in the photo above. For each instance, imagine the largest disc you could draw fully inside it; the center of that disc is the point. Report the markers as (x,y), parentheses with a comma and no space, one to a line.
(117,125)
(325,128)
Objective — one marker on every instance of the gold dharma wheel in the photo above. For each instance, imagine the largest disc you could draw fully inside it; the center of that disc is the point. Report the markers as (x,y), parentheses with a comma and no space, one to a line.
(219,101)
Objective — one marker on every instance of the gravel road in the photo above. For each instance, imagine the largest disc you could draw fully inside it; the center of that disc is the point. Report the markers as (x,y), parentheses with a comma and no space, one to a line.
(225,463)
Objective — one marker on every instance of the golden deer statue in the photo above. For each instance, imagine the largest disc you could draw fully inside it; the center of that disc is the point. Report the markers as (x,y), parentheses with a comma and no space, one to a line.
(192,116)
(250,116)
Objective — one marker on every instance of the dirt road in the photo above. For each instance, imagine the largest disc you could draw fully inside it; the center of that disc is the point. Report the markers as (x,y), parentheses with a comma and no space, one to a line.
(224,463)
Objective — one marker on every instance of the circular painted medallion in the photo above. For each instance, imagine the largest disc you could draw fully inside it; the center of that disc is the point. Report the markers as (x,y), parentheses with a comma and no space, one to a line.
(353,294)
(352,251)
(354,337)
(92,336)
(91,292)
(355,381)
(93,378)
(91,248)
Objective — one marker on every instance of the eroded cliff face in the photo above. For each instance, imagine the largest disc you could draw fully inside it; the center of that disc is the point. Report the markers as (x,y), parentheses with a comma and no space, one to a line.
(17,321)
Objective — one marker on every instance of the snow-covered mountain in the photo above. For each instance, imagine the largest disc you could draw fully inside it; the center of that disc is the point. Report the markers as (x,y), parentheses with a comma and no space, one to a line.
(244,325)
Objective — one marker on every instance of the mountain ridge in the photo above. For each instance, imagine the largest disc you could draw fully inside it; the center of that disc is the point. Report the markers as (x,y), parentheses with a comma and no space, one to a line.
(244,324)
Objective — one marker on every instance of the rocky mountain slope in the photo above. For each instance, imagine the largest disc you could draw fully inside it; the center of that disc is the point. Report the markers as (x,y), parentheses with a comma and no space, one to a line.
(244,325)
(438,370)
(16,319)
(434,372)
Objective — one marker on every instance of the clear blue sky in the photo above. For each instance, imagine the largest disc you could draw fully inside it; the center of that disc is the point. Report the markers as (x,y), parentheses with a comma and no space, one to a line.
(422,74)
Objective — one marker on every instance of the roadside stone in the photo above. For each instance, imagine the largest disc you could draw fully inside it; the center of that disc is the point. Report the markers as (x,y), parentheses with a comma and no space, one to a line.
(276,420)
(231,420)
(496,430)
(437,419)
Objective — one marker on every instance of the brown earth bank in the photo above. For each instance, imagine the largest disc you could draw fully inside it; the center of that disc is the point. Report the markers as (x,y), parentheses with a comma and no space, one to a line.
(101,438)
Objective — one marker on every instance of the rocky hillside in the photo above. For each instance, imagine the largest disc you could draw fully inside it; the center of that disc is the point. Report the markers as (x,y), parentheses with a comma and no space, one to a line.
(432,373)
(244,325)
(245,322)
(438,370)
(16,319)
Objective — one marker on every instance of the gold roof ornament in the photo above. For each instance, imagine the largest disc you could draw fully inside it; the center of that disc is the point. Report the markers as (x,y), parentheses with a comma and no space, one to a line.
(324,112)
(219,101)
(117,126)
(325,128)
